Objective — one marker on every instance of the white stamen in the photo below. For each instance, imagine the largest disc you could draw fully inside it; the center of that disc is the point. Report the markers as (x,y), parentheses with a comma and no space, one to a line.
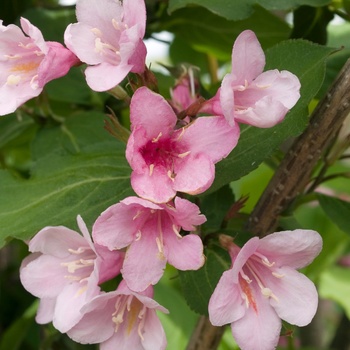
(267,292)
(278,275)
(170,175)
(97,32)
(176,231)
(151,167)
(181,134)
(139,212)
(34,82)
(183,155)
(77,251)
(138,236)
(156,139)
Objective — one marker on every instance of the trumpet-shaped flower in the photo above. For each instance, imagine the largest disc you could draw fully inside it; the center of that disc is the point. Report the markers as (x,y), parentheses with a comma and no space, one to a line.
(262,287)
(27,63)
(122,320)
(166,158)
(250,96)
(108,37)
(64,271)
(151,233)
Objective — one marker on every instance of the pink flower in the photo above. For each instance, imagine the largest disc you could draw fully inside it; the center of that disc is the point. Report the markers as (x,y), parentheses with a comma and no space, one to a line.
(122,320)
(28,63)
(250,96)
(108,37)
(64,271)
(166,158)
(263,287)
(151,233)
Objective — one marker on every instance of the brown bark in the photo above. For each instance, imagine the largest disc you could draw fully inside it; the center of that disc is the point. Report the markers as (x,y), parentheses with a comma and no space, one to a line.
(290,180)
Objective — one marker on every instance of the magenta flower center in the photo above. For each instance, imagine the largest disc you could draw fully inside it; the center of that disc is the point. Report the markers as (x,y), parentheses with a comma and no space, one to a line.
(163,153)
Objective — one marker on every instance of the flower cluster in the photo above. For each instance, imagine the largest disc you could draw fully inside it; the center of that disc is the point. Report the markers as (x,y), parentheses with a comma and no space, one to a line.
(172,151)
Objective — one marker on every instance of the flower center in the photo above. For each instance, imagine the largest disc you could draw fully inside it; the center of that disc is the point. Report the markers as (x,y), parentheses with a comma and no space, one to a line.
(251,273)
(81,268)
(163,152)
(129,311)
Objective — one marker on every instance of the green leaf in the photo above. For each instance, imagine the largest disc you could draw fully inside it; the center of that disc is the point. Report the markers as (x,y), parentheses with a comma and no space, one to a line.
(215,206)
(335,285)
(208,33)
(255,145)
(237,9)
(337,210)
(79,169)
(198,286)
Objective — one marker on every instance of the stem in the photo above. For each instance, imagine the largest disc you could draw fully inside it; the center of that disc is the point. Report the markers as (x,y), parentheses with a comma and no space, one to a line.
(213,68)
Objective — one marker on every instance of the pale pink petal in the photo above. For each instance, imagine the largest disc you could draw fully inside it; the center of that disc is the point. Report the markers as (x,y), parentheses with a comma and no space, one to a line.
(105,76)
(96,324)
(123,340)
(226,303)
(284,86)
(34,33)
(213,105)
(45,311)
(137,202)
(99,14)
(244,254)
(194,174)
(111,263)
(212,136)
(184,253)
(297,297)
(257,330)
(43,276)
(248,58)
(151,111)
(186,214)
(144,263)
(68,305)
(115,227)
(56,240)
(79,38)
(157,187)
(138,139)
(266,112)
(133,17)
(154,336)
(295,249)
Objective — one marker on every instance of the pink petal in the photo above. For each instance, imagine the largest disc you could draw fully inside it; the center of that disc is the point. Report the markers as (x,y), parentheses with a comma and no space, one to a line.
(96,324)
(157,187)
(257,330)
(154,336)
(105,76)
(297,296)
(186,214)
(194,174)
(226,304)
(184,253)
(151,111)
(44,276)
(144,263)
(244,254)
(227,101)
(34,33)
(79,38)
(284,86)
(248,58)
(123,340)
(56,240)
(266,112)
(212,136)
(45,311)
(295,249)
(134,17)
(115,227)
(99,14)
(137,59)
